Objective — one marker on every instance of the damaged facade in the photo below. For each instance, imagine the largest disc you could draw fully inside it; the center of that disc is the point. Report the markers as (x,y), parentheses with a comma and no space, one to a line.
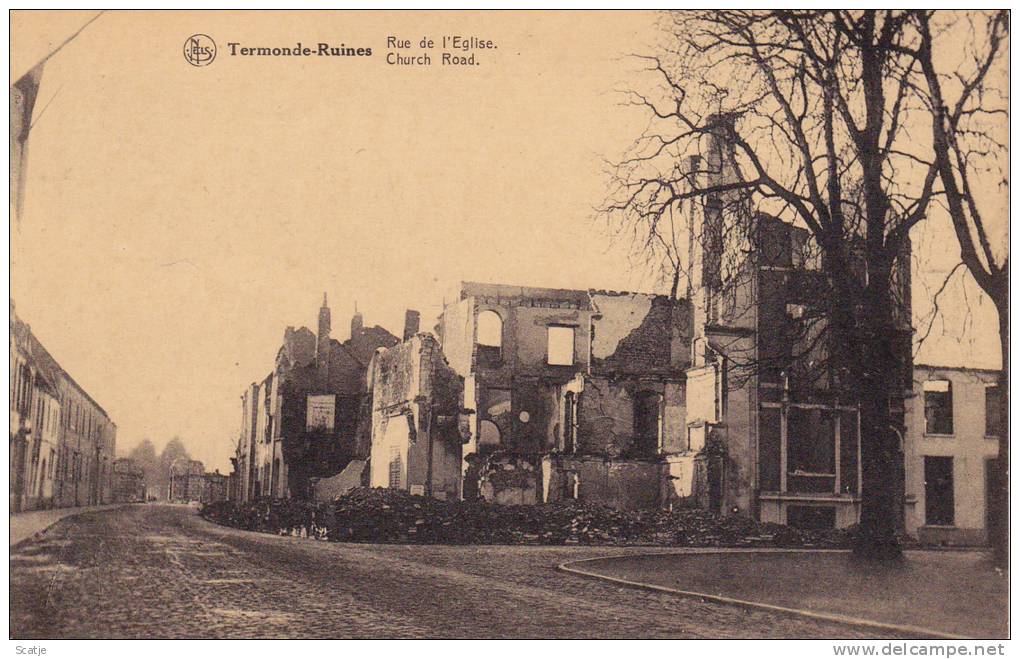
(417,420)
(190,482)
(187,480)
(537,394)
(300,424)
(128,481)
(725,400)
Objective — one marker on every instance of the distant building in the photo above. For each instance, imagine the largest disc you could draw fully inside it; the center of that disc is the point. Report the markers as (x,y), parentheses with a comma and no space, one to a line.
(187,480)
(214,487)
(62,442)
(128,481)
(951,448)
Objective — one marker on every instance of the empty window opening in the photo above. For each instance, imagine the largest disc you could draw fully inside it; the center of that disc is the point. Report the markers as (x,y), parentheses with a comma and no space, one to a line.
(396,467)
(490,329)
(647,406)
(571,485)
(490,338)
(488,433)
(770,449)
(810,450)
(938,407)
(569,416)
(993,411)
(561,346)
(938,490)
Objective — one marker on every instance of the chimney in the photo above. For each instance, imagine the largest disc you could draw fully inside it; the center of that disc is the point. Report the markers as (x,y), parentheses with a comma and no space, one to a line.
(411,321)
(721,146)
(322,339)
(357,322)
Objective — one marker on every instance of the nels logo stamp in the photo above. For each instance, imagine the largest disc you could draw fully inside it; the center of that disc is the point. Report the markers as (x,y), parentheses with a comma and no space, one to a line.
(199,50)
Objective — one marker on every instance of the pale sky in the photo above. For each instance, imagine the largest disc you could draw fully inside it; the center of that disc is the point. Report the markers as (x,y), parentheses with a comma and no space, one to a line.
(177,219)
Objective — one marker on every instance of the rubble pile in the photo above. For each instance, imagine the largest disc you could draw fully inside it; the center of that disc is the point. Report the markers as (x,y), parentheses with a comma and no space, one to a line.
(383,515)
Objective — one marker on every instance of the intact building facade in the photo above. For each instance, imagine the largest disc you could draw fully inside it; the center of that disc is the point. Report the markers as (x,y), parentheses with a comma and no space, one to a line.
(62,442)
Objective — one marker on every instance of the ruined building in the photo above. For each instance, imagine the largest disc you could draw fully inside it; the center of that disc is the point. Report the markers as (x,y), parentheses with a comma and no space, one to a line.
(728,399)
(300,423)
(187,480)
(536,394)
(417,419)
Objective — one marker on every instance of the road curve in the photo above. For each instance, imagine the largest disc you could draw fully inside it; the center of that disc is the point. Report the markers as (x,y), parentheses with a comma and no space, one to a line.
(161,571)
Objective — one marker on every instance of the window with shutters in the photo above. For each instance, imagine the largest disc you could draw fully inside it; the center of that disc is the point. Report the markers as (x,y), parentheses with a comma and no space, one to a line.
(396,467)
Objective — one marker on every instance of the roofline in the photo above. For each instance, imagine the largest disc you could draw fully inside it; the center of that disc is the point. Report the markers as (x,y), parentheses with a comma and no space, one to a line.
(590,290)
(958,368)
(63,371)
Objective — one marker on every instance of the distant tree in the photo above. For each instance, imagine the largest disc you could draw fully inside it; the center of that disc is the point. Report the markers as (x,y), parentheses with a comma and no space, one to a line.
(144,454)
(173,451)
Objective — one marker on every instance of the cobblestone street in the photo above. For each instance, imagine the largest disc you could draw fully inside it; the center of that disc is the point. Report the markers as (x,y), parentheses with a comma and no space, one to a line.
(160,571)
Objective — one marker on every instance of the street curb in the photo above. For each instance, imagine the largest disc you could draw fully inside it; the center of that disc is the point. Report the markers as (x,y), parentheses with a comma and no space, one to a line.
(919,632)
(36,535)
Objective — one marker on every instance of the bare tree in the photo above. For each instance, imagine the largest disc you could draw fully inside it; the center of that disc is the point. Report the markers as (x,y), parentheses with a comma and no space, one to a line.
(969,125)
(817,108)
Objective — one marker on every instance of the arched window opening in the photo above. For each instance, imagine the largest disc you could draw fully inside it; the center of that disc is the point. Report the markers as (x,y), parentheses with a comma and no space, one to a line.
(490,338)
(488,433)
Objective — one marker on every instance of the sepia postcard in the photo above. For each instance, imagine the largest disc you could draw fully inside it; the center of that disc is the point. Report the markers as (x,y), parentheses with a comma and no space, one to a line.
(520,324)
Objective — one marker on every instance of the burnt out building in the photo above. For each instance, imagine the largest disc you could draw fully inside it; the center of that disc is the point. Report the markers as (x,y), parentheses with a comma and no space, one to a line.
(623,431)
(418,421)
(187,480)
(300,424)
(571,394)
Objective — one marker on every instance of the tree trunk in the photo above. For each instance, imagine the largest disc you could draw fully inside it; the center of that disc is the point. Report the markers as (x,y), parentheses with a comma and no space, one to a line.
(998,531)
(880,455)
(875,357)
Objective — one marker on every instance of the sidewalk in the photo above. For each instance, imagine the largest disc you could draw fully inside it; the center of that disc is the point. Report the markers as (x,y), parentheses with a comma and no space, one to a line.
(27,524)
(930,594)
